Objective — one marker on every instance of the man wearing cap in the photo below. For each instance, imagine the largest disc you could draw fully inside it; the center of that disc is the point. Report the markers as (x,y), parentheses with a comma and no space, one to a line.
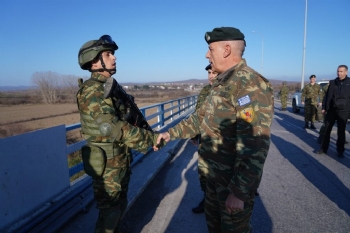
(311,96)
(234,122)
(284,96)
(107,155)
(202,165)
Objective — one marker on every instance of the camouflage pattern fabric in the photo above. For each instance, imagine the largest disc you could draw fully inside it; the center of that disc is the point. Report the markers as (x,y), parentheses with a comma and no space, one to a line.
(202,95)
(312,95)
(110,190)
(284,95)
(234,122)
(323,127)
(202,165)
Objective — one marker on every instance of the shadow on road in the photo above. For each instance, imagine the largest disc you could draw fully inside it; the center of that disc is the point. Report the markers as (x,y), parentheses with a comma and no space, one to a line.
(319,175)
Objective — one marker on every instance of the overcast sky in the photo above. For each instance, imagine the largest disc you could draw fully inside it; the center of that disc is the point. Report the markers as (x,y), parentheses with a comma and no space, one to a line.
(163,40)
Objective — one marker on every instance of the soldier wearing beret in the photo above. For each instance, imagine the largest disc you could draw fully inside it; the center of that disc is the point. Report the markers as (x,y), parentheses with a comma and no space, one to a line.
(284,96)
(107,155)
(202,166)
(234,122)
(311,96)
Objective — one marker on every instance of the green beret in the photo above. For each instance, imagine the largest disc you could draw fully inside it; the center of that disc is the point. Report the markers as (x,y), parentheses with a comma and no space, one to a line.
(223,33)
(208,67)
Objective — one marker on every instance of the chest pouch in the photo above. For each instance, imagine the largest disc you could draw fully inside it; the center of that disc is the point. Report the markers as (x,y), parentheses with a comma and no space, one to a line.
(94,160)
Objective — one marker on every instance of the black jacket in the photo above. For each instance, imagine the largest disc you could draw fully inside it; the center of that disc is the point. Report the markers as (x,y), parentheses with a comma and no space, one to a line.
(338,89)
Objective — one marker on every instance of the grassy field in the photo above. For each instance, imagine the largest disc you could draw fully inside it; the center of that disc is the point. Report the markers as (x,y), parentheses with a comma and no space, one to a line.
(17,119)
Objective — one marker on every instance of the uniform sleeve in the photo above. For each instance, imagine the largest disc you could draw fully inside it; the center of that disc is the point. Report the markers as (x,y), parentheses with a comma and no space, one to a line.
(102,111)
(320,94)
(187,128)
(254,116)
(137,138)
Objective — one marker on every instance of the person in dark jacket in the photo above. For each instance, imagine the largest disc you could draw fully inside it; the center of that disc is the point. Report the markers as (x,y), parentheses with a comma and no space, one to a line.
(337,106)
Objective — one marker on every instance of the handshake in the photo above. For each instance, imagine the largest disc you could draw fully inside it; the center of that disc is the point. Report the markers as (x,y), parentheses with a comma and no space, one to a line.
(160,140)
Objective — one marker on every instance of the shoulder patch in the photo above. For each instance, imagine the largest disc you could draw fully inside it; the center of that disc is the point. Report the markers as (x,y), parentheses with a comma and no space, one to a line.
(247,114)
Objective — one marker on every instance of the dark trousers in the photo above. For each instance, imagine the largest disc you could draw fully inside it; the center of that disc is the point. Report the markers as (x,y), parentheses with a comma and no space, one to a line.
(341,117)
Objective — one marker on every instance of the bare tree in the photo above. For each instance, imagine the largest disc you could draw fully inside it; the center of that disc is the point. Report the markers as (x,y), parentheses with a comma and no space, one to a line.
(70,86)
(48,84)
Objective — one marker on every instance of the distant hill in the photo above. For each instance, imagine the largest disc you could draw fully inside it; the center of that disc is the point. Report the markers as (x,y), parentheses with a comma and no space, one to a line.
(181,82)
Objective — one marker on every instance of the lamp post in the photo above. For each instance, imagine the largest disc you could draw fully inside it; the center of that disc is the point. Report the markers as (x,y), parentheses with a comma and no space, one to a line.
(304,48)
(262,51)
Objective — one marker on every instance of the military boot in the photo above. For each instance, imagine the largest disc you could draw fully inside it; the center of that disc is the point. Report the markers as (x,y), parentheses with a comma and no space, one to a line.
(200,208)
(306,126)
(312,126)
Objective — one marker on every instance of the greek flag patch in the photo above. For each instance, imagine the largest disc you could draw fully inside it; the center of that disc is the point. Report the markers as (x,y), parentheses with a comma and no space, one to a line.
(244,100)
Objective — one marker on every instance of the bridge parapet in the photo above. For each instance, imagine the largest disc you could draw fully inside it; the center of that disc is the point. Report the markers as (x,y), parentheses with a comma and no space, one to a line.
(35,178)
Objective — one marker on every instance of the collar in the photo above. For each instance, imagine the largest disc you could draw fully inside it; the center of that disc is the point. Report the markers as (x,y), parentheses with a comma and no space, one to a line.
(226,75)
(98,77)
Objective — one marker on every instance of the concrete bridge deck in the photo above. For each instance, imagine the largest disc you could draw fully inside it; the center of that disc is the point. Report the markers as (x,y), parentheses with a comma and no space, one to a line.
(300,190)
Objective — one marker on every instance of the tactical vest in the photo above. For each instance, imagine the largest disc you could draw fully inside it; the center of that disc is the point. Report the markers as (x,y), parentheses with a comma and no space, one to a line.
(95,154)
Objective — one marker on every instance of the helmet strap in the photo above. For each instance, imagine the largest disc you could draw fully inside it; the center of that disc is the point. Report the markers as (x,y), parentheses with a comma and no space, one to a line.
(104,66)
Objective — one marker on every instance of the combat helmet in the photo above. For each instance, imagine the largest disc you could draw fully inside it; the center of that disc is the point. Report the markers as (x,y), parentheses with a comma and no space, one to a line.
(93,48)
(284,83)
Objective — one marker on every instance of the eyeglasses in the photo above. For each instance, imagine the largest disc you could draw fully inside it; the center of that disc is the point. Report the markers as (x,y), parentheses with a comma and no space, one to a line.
(105,41)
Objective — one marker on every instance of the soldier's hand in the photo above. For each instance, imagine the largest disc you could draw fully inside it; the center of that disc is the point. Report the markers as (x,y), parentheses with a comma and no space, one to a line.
(156,145)
(233,204)
(194,140)
(162,138)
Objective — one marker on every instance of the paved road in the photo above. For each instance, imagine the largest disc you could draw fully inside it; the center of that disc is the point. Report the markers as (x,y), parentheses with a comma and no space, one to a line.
(300,190)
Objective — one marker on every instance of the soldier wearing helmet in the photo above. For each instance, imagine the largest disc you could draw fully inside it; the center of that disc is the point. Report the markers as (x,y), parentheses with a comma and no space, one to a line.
(107,155)
(284,96)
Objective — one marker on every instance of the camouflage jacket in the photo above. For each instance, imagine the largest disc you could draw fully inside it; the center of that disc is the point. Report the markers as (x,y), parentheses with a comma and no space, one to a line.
(312,94)
(325,88)
(94,110)
(202,95)
(234,122)
(284,90)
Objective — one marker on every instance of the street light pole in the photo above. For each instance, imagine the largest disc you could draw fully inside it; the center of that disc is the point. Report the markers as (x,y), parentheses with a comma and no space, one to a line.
(304,48)
(262,51)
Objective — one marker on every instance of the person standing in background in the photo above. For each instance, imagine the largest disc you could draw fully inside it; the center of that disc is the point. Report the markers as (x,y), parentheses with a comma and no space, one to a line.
(309,97)
(284,96)
(202,165)
(322,129)
(337,107)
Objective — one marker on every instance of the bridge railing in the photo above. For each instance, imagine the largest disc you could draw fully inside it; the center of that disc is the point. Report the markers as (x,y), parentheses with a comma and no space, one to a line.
(35,176)
(160,114)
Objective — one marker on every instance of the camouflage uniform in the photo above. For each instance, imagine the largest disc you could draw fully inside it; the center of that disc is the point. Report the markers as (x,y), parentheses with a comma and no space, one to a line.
(323,127)
(312,95)
(110,189)
(202,165)
(284,95)
(234,123)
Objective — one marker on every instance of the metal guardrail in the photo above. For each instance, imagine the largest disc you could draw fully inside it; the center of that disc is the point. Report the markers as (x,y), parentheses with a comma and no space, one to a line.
(165,113)
(51,216)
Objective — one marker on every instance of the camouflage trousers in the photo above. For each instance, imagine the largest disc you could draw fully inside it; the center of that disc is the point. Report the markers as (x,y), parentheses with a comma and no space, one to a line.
(284,101)
(202,172)
(310,112)
(323,128)
(110,192)
(218,219)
